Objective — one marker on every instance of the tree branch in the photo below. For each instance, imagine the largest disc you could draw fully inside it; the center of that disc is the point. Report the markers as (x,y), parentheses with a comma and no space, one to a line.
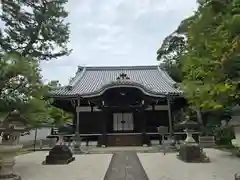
(34,36)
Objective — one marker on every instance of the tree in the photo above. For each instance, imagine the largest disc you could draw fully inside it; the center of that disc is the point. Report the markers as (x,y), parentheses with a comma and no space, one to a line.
(34,28)
(172,49)
(209,60)
(211,47)
(21,87)
(57,115)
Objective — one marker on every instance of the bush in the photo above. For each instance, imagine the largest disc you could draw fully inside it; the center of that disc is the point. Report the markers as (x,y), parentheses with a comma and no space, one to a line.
(224,135)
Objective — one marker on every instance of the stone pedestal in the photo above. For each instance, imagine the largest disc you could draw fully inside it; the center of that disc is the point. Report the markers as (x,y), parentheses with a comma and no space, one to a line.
(190,152)
(77,145)
(237,176)
(11,128)
(6,170)
(59,154)
(7,161)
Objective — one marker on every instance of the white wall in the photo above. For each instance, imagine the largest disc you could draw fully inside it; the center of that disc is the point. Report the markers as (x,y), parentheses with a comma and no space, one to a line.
(41,134)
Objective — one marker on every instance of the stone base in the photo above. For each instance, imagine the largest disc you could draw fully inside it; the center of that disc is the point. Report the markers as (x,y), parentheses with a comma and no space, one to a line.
(192,153)
(189,152)
(10,177)
(59,154)
(77,150)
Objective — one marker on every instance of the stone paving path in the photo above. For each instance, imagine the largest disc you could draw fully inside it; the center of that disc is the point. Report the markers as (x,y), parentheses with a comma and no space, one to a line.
(125,166)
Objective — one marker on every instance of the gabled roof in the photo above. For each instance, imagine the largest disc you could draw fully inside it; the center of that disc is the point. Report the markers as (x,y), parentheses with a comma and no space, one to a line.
(94,81)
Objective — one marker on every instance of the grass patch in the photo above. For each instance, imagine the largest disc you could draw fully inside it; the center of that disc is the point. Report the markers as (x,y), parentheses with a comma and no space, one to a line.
(226,148)
(23,151)
(233,150)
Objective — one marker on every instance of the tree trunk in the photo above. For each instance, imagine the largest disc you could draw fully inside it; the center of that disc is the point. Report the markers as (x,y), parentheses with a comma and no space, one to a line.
(199,118)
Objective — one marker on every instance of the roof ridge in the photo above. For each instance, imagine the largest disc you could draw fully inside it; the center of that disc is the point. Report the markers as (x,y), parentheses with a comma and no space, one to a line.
(121,67)
(79,75)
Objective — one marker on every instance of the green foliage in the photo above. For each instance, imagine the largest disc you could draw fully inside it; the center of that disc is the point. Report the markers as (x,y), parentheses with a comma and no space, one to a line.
(172,49)
(209,64)
(32,31)
(57,115)
(19,80)
(35,28)
(209,58)
(224,135)
(21,87)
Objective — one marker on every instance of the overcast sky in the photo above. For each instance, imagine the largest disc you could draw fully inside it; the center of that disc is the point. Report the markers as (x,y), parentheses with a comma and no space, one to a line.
(116,32)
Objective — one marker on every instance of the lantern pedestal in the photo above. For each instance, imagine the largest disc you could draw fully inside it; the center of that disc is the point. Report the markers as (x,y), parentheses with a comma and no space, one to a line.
(59,154)
(11,128)
(77,145)
(7,161)
(189,139)
(190,151)
(237,136)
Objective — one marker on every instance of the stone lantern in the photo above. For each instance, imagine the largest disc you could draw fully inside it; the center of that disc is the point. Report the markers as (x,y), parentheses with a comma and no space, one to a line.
(235,123)
(188,126)
(10,130)
(60,153)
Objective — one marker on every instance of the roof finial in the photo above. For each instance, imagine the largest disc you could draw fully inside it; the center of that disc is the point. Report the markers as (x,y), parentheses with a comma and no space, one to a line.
(123,76)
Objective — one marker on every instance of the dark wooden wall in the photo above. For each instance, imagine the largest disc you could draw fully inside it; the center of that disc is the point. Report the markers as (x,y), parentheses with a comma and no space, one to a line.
(155,119)
(92,122)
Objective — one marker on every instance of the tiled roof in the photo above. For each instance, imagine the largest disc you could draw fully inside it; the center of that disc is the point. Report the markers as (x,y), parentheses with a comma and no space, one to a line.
(92,81)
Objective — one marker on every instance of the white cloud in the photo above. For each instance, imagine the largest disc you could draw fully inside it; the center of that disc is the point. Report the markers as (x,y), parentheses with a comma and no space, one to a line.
(117,32)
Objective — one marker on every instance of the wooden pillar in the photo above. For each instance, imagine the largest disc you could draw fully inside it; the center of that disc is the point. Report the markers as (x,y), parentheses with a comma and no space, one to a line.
(170,116)
(78,117)
(103,137)
(76,148)
(143,118)
(145,137)
(104,126)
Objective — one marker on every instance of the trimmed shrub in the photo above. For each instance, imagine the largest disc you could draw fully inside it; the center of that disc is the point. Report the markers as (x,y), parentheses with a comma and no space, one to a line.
(224,135)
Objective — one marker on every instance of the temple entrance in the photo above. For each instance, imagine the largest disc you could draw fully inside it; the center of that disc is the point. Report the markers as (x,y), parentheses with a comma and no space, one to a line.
(123,128)
(123,122)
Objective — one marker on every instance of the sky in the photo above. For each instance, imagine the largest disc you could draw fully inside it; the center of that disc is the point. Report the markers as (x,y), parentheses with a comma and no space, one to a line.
(116,32)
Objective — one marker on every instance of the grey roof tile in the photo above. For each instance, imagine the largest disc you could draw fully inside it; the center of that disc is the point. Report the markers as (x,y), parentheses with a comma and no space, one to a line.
(94,80)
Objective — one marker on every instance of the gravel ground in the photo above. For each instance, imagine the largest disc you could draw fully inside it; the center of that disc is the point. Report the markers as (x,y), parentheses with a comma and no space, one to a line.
(157,166)
(85,167)
(167,167)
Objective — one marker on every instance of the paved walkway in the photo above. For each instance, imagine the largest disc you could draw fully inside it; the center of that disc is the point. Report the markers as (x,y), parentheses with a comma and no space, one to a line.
(125,166)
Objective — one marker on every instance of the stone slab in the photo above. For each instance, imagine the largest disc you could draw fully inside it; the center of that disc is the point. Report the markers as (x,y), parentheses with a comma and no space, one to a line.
(168,167)
(125,166)
(85,167)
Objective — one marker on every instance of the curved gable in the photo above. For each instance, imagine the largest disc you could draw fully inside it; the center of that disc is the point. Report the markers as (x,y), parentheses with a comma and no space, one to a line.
(91,81)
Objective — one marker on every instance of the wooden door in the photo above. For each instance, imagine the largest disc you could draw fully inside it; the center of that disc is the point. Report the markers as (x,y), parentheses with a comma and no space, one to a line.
(123,122)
